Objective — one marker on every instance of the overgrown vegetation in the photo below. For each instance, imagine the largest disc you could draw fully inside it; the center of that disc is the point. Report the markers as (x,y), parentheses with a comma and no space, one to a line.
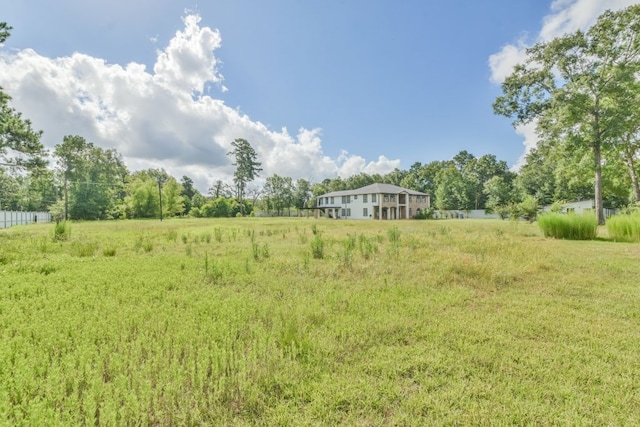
(569,226)
(625,228)
(61,230)
(475,322)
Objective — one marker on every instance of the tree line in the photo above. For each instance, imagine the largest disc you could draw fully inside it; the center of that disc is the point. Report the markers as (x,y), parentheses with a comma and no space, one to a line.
(581,91)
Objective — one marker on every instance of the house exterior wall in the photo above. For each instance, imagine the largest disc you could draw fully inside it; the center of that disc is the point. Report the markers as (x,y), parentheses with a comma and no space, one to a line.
(361,205)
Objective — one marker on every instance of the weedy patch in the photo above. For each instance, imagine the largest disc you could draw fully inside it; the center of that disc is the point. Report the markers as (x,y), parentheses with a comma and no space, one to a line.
(362,323)
(84,249)
(109,252)
(61,231)
(317,247)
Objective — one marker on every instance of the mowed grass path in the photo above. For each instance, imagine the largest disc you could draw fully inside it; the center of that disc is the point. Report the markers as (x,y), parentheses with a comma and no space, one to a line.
(316,322)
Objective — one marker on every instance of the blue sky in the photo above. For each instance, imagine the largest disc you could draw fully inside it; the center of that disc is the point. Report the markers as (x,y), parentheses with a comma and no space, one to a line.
(358,85)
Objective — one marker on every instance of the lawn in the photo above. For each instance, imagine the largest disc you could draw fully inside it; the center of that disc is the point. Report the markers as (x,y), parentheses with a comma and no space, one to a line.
(254,321)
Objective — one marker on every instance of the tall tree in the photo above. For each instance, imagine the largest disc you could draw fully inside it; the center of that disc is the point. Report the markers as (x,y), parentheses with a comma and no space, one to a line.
(451,192)
(571,85)
(302,194)
(279,191)
(247,167)
(187,193)
(219,189)
(93,178)
(19,144)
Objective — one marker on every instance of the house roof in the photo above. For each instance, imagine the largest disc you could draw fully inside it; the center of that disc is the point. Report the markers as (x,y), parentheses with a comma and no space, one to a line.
(375,189)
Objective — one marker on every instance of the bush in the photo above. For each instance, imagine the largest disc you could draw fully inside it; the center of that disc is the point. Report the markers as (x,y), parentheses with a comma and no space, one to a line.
(61,230)
(569,226)
(111,251)
(625,228)
(317,247)
(425,214)
(529,208)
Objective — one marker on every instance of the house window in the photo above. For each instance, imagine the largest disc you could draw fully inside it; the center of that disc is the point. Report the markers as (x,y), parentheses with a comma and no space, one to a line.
(346,199)
(320,201)
(409,198)
(326,200)
(348,211)
(365,212)
(364,198)
(332,200)
(355,197)
(386,197)
(343,212)
(373,198)
(393,197)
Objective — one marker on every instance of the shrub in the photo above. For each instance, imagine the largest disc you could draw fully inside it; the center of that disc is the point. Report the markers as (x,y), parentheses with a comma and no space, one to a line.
(84,249)
(317,247)
(625,228)
(172,235)
(570,226)
(111,251)
(147,245)
(393,234)
(425,214)
(529,208)
(61,230)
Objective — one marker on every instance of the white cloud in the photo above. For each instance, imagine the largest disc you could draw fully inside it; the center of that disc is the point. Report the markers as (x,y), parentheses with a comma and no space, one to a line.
(164,118)
(530,141)
(502,63)
(566,16)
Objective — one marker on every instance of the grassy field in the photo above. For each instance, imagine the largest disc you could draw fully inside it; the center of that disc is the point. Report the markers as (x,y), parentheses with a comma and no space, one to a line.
(316,322)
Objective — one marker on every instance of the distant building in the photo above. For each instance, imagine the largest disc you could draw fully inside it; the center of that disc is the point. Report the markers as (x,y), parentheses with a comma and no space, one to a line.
(375,201)
(581,207)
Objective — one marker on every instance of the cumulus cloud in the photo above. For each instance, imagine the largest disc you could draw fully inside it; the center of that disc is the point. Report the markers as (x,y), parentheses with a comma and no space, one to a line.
(566,16)
(164,117)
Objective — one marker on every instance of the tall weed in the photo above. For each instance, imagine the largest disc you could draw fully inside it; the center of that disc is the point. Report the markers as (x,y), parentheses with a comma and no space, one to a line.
(569,226)
(317,247)
(624,228)
(61,231)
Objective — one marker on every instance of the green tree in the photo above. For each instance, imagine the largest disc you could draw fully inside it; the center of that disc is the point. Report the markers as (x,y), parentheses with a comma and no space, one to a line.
(536,177)
(219,189)
(9,191)
(145,188)
(395,177)
(358,181)
(302,194)
(451,192)
(172,201)
(483,169)
(500,193)
(143,200)
(187,193)
(571,86)
(19,144)
(279,192)
(247,167)
(217,208)
(93,178)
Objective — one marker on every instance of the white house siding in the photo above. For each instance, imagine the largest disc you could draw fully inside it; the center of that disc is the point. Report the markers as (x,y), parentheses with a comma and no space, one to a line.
(351,204)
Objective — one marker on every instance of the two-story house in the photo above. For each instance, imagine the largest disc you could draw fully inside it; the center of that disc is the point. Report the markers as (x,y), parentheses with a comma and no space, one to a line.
(375,201)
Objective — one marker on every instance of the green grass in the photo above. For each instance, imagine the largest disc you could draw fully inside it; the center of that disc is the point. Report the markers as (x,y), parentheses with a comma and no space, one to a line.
(397,323)
(569,226)
(624,228)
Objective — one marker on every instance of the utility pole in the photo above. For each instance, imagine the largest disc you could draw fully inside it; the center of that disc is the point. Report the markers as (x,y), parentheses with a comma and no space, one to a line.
(160,192)
(66,199)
